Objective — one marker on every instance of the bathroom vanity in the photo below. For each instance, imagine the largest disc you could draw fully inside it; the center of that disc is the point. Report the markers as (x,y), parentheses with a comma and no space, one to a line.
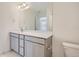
(31,43)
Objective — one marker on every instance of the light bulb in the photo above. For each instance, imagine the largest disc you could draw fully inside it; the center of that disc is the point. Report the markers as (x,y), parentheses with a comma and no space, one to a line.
(19,7)
(24,4)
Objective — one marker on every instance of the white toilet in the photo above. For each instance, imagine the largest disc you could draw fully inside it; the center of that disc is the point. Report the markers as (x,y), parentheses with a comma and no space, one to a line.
(71,49)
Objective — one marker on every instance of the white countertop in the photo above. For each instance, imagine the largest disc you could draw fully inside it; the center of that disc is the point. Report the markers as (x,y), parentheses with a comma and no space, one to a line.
(35,33)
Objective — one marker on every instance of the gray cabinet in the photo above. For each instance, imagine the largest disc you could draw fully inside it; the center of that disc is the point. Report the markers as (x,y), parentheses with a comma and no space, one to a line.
(33,49)
(14,42)
(21,45)
(30,46)
(21,51)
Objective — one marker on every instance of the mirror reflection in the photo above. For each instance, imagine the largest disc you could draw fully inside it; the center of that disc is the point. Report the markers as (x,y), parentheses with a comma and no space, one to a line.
(35,16)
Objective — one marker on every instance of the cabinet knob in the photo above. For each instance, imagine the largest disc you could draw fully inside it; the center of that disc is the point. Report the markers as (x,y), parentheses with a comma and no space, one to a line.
(49,48)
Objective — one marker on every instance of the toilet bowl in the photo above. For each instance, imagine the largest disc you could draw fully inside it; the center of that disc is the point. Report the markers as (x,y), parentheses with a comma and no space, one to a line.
(71,49)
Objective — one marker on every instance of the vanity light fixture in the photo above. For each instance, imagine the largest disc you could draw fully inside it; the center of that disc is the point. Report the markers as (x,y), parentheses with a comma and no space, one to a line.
(24,6)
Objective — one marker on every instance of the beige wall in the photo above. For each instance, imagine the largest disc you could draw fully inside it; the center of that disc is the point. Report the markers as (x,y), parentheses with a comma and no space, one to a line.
(7,24)
(65,25)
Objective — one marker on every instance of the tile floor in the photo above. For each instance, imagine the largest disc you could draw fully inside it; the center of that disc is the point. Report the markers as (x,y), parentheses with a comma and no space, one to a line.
(9,54)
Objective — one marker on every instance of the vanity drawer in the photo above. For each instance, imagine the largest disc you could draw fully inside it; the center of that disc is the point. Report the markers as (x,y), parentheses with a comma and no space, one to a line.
(34,39)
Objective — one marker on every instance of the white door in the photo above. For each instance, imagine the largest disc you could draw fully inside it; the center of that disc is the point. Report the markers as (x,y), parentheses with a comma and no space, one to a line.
(33,49)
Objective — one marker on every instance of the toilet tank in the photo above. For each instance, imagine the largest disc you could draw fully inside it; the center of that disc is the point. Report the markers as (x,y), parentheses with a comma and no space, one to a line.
(71,49)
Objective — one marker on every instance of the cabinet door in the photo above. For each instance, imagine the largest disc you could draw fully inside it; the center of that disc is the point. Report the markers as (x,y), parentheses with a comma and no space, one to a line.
(21,43)
(21,47)
(33,49)
(14,44)
(21,51)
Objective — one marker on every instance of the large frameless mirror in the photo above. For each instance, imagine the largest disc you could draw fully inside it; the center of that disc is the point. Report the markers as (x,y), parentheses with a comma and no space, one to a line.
(35,16)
